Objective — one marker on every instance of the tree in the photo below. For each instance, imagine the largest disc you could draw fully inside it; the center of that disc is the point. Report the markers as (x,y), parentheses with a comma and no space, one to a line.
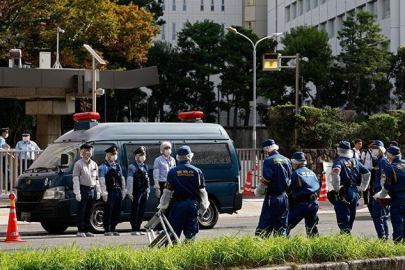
(312,44)
(398,74)
(199,45)
(364,61)
(153,6)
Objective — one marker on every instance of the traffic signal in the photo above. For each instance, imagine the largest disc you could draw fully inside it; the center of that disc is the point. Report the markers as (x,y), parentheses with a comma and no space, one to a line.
(271,62)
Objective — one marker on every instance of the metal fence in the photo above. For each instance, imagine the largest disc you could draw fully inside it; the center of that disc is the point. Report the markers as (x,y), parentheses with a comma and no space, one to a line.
(12,164)
(251,160)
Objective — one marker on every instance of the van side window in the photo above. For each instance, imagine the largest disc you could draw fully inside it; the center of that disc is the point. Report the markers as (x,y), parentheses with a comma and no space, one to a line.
(152,152)
(99,153)
(209,153)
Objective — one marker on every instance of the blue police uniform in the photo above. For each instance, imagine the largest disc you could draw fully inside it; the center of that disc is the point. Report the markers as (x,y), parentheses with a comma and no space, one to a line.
(395,184)
(186,180)
(112,173)
(139,172)
(304,190)
(350,170)
(380,212)
(274,214)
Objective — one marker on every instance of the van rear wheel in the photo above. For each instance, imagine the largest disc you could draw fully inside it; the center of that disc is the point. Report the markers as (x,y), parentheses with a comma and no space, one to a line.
(54,227)
(96,219)
(210,218)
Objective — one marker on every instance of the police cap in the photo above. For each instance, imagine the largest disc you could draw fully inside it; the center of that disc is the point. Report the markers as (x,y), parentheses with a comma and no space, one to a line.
(394,151)
(140,150)
(4,129)
(378,143)
(111,149)
(184,150)
(268,142)
(299,157)
(85,146)
(344,145)
(26,133)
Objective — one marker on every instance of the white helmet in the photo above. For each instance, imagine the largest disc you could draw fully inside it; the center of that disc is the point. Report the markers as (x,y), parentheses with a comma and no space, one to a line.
(164,145)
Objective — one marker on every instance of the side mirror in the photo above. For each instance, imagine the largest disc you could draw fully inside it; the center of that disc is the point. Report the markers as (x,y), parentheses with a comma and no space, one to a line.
(64,159)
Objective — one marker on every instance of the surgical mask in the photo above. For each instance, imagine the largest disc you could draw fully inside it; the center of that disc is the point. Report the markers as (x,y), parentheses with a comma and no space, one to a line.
(375,152)
(142,159)
(88,154)
(168,152)
(5,137)
(25,139)
(114,157)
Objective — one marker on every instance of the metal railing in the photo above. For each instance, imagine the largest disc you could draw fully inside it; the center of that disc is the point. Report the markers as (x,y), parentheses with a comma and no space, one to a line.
(12,164)
(251,160)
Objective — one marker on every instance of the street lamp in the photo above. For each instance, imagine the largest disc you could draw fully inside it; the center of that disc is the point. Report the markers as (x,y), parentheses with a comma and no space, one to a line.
(254,45)
(57,63)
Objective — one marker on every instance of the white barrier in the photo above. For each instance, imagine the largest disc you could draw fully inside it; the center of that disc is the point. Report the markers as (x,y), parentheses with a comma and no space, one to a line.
(250,160)
(12,164)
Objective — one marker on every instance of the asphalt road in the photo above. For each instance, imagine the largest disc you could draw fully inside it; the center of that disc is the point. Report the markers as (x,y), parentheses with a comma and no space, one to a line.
(243,223)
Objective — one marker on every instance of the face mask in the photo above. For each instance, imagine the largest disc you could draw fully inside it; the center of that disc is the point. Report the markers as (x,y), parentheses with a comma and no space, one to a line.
(25,139)
(5,137)
(114,158)
(88,154)
(142,159)
(168,152)
(375,152)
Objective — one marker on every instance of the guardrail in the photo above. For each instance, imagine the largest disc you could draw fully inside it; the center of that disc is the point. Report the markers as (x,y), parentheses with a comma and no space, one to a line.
(250,160)
(12,164)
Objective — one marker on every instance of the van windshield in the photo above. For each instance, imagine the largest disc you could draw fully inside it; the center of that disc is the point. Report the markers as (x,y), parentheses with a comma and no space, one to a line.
(50,157)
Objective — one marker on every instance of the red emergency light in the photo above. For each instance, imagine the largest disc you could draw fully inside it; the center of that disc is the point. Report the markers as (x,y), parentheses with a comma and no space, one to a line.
(191,115)
(86,116)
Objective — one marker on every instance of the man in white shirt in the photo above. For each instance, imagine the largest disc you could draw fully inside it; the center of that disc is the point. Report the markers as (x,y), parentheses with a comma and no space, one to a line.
(356,149)
(26,158)
(161,167)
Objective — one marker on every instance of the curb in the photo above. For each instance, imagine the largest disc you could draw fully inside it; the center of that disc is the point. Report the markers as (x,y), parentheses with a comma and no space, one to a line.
(367,264)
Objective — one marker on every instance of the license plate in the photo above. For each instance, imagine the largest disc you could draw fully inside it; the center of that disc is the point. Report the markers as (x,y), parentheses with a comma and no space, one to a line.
(26,216)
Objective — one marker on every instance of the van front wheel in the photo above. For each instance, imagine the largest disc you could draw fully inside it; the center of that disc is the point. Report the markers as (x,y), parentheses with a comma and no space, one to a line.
(210,218)
(54,227)
(96,220)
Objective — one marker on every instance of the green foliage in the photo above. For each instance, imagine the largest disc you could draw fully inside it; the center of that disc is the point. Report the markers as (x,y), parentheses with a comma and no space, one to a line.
(225,252)
(398,73)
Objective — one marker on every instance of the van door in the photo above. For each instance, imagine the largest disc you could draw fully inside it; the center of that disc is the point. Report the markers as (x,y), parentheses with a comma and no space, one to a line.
(219,164)
(152,152)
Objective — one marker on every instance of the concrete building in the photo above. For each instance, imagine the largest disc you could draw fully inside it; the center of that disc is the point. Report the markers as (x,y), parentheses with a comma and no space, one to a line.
(255,16)
(329,15)
(178,12)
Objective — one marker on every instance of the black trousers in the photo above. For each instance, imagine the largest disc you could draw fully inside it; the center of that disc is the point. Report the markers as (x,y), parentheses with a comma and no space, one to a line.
(85,208)
(112,209)
(138,206)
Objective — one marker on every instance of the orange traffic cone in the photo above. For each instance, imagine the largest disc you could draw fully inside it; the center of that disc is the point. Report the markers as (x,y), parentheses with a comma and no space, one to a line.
(248,185)
(12,229)
(322,195)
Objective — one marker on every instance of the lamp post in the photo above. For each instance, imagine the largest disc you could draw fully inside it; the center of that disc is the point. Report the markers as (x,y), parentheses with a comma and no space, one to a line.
(57,63)
(254,45)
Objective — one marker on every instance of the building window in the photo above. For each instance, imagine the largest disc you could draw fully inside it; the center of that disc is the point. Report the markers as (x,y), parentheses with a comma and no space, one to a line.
(287,14)
(308,5)
(202,5)
(250,2)
(372,7)
(251,26)
(174,5)
(163,5)
(184,5)
(163,31)
(322,26)
(173,31)
(223,5)
(293,11)
(300,7)
(339,23)
(184,25)
(222,31)
(331,26)
(315,2)
(386,9)
(323,2)
(212,5)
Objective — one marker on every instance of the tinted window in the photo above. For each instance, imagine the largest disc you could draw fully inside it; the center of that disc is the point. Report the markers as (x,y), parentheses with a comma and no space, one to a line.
(152,152)
(209,153)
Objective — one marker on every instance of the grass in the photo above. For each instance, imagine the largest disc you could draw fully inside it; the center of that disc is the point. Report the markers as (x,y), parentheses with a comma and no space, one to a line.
(224,252)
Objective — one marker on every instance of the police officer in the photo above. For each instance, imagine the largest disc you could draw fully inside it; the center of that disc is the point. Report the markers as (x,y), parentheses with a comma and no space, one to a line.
(4,146)
(303,194)
(113,192)
(394,184)
(161,167)
(26,158)
(345,172)
(86,187)
(274,183)
(186,184)
(380,212)
(138,189)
